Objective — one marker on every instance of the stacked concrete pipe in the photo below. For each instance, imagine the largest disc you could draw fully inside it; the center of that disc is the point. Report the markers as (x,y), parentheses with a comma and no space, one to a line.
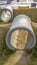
(9,13)
(21,22)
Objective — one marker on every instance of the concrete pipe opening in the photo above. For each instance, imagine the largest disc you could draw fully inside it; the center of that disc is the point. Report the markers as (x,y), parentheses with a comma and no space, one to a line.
(6,13)
(21,35)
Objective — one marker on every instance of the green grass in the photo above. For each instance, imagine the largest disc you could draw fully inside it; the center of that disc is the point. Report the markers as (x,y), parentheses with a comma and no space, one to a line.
(1,22)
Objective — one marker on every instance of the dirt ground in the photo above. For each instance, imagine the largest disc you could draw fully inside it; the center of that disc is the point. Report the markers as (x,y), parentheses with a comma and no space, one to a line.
(20,57)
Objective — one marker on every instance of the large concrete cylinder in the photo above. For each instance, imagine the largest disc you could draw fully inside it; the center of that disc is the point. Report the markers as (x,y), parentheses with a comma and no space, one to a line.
(21,22)
(6,13)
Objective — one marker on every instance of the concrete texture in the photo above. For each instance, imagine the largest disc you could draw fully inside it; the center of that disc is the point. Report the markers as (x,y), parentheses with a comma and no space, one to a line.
(21,22)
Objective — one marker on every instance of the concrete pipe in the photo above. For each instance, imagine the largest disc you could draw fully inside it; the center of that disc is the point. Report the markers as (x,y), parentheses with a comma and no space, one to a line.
(7,13)
(20,22)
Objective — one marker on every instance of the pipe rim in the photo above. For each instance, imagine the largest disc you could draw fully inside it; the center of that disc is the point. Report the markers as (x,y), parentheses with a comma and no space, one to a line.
(9,11)
(22,27)
(17,28)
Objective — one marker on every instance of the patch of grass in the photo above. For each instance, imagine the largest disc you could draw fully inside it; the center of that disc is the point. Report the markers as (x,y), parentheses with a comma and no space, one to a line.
(1,22)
